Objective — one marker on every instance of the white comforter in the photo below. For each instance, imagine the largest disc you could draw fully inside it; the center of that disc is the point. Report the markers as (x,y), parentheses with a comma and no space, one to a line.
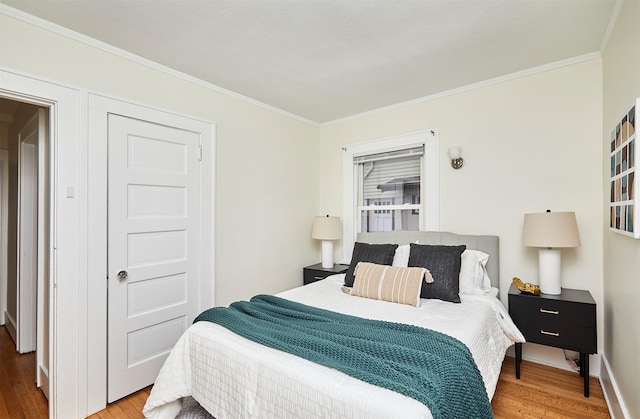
(233,377)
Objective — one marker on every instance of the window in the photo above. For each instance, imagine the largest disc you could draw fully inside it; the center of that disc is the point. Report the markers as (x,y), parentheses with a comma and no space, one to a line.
(388,190)
(389,185)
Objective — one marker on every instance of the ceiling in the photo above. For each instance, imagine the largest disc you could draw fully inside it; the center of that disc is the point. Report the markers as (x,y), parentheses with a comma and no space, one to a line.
(324,60)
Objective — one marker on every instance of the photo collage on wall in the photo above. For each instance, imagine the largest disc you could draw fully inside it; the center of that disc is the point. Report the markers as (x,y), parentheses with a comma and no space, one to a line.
(623,216)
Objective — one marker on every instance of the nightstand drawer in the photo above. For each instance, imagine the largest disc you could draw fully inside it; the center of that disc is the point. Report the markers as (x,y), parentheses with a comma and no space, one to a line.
(548,311)
(313,276)
(316,272)
(575,338)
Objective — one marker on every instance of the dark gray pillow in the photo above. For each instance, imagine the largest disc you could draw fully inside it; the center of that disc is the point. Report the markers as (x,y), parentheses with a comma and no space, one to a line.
(382,254)
(444,264)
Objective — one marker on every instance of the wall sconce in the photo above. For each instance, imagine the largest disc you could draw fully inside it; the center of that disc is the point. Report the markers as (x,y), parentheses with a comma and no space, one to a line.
(455,154)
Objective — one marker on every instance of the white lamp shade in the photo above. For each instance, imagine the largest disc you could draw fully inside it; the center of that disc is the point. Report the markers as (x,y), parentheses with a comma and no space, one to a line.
(455,152)
(550,230)
(327,228)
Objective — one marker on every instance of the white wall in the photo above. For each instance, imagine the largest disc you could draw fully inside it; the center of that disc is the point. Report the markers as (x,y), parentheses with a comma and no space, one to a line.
(621,73)
(529,144)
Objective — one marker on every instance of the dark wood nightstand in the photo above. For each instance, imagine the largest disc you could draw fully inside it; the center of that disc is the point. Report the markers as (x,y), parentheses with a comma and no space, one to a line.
(565,321)
(316,272)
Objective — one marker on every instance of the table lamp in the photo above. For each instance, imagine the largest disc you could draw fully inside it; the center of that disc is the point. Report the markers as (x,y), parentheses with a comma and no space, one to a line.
(327,229)
(550,231)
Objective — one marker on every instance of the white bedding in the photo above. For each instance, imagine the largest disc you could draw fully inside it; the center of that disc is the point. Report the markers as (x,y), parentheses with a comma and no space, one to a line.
(233,377)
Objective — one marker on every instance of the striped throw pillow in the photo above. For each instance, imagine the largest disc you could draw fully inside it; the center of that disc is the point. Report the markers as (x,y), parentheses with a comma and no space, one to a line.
(390,283)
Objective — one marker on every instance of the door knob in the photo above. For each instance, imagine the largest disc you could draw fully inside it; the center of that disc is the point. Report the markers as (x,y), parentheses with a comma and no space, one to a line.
(122,275)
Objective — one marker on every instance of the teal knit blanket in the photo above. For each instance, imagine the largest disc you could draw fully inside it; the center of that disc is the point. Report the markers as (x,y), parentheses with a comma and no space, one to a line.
(426,365)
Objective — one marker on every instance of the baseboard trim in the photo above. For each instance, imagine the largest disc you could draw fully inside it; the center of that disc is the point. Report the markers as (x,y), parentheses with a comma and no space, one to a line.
(11,326)
(44,380)
(612,396)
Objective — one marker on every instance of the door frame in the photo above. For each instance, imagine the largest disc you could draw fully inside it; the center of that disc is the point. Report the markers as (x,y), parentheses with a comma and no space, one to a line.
(4,225)
(99,107)
(67,366)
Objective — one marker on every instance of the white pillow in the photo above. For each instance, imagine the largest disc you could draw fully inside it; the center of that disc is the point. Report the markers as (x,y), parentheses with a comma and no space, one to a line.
(474,278)
(401,257)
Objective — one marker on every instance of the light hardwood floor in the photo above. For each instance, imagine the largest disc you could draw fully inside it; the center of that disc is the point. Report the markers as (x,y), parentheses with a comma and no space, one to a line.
(545,392)
(542,392)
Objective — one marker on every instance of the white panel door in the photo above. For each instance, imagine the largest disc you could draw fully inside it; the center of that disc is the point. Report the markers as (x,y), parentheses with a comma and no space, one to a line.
(30,209)
(153,251)
(27,248)
(4,199)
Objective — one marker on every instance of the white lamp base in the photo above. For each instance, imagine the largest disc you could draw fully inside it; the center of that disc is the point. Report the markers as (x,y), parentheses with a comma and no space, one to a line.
(549,268)
(327,254)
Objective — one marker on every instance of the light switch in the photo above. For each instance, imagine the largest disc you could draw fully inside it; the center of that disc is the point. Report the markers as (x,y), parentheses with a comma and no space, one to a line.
(71,192)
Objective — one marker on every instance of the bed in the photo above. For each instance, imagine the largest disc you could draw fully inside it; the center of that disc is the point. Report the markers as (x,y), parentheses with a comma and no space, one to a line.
(234,377)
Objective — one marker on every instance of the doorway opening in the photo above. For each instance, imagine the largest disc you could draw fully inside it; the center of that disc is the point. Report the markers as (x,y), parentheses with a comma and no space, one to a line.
(25,237)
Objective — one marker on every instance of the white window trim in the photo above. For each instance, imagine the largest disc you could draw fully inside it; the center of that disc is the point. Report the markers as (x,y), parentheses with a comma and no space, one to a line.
(429,217)
(390,207)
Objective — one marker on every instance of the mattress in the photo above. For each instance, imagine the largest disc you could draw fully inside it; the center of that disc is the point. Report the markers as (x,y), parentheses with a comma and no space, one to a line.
(232,377)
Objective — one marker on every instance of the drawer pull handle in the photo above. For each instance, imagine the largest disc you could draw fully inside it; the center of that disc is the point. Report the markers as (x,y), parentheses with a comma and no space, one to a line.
(318,278)
(544,332)
(542,310)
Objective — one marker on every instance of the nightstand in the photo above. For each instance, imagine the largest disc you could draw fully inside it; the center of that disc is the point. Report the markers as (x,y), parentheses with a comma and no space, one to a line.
(567,321)
(316,272)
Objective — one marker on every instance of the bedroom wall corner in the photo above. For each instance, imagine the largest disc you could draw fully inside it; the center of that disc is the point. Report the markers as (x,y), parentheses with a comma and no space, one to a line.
(621,254)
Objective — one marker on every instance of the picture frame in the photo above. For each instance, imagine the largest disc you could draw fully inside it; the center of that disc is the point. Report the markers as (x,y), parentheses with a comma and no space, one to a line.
(624,213)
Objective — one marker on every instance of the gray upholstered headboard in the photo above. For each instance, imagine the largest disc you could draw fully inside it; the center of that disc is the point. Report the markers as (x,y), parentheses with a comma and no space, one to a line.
(487,244)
